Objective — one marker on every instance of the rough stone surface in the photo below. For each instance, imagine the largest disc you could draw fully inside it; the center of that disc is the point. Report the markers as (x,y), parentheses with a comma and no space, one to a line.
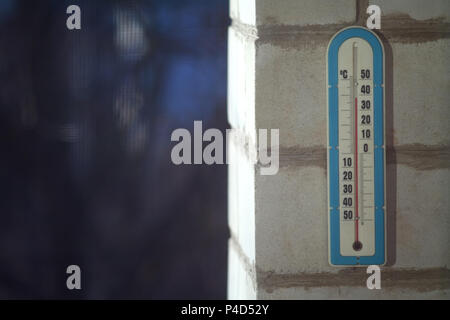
(292,12)
(277,80)
(241,81)
(305,12)
(422,218)
(291,93)
(352,293)
(421,78)
(240,282)
(241,199)
(291,221)
(417,9)
(243,11)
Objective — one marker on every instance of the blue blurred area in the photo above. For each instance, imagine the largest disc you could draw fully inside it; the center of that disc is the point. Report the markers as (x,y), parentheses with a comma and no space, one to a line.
(193,80)
(7,8)
(85,171)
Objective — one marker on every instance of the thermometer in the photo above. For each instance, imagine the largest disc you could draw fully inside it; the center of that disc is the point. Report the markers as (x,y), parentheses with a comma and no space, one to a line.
(356,149)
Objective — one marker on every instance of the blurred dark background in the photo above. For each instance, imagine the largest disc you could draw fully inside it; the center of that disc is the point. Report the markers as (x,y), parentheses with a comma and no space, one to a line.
(85,171)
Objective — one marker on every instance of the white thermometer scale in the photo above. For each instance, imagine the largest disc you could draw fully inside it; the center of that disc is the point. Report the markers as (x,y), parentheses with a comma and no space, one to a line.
(356,153)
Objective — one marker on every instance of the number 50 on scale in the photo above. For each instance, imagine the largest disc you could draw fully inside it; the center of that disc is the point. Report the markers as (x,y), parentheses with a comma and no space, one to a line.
(356,148)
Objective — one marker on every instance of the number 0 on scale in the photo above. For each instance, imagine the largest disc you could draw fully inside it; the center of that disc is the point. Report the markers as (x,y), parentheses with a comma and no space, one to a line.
(356,152)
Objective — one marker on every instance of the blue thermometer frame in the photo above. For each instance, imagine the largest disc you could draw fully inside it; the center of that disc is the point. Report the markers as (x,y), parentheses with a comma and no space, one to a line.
(335,257)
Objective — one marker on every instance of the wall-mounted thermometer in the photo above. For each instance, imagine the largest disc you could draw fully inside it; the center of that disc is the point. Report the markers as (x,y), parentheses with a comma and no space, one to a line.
(356,148)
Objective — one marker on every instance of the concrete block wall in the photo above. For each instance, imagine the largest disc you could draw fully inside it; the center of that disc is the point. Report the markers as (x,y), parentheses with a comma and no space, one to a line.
(277,80)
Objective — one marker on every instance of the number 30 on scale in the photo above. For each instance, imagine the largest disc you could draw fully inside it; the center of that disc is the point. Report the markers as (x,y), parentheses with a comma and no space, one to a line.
(356,148)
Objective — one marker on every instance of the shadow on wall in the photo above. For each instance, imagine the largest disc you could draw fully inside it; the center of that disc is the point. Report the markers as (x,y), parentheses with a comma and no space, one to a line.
(391,163)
